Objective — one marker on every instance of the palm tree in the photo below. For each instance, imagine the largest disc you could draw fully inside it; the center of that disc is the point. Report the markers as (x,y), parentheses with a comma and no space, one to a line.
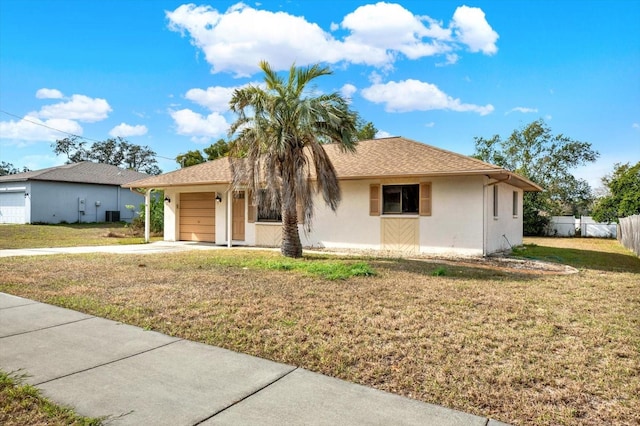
(280,130)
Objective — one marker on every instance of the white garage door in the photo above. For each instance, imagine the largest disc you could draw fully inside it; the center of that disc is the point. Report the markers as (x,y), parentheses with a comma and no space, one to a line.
(12,207)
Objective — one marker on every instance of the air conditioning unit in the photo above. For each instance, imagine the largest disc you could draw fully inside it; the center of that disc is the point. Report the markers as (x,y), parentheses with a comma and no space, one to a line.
(112,216)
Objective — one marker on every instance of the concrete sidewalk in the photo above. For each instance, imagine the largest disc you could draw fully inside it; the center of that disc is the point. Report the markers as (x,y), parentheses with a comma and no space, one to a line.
(102,368)
(156,247)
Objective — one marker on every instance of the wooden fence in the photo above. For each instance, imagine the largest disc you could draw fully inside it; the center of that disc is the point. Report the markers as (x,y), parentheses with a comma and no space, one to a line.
(629,233)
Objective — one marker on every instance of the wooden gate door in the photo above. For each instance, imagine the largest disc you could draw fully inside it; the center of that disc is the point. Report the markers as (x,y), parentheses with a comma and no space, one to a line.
(237,223)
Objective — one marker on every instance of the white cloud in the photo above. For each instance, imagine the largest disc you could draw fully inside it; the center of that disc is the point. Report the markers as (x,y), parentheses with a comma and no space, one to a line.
(383,134)
(635,126)
(375,78)
(45,93)
(235,41)
(214,98)
(430,124)
(377,30)
(57,120)
(79,107)
(376,34)
(124,130)
(414,95)
(199,127)
(450,59)
(32,129)
(472,29)
(523,110)
(348,90)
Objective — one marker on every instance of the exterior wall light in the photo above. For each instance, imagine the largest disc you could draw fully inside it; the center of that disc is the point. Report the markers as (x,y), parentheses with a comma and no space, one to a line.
(218,198)
(167,199)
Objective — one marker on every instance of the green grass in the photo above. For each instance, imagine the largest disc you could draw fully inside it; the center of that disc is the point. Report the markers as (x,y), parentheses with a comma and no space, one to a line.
(67,235)
(324,268)
(581,253)
(22,404)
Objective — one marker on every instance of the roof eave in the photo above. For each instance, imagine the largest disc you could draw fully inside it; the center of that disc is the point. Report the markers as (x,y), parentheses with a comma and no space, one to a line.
(161,185)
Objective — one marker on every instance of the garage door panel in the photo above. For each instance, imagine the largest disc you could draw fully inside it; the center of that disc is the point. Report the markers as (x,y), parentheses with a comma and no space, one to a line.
(191,236)
(187,212)
(197,204)
(197,216)
(197,220)
(198,228)
(12,207)
(197,196)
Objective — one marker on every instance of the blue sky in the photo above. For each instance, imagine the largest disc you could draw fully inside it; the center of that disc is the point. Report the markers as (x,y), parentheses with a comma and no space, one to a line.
(160,73)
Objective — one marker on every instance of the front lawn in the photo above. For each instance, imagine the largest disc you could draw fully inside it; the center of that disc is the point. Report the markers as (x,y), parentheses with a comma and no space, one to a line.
(67,235)
(520,348)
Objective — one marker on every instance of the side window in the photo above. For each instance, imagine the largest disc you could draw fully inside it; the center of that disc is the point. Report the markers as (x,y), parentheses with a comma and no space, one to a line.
(515,203)
(495,200)
(400,199)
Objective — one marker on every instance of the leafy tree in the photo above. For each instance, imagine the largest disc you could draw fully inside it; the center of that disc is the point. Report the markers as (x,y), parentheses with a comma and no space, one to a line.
(117,152)
(73,148)
(624,194)
(9,169)
(366,131)
(191,158)
(217,150)
(280,132)
(214,151)
(140,158)
(545,159)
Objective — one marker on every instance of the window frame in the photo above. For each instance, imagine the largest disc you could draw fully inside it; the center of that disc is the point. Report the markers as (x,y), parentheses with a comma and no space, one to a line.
(425,199)
(403,187)
(496,203)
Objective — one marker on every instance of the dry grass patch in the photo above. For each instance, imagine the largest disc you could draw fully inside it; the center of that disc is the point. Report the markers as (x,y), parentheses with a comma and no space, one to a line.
(524,349)
(67,235)
(22,404)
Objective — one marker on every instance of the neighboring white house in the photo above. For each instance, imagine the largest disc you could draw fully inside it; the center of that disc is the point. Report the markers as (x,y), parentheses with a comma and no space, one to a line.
(397,194)
(78,192)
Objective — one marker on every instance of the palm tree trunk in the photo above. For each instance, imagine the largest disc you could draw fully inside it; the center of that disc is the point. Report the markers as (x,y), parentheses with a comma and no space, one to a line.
(291,245)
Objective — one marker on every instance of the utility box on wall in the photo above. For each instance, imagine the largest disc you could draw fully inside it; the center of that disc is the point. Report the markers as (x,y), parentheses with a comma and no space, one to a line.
(82,205)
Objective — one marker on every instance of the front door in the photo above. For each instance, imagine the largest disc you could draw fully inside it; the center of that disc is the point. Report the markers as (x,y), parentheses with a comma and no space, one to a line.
(237,223)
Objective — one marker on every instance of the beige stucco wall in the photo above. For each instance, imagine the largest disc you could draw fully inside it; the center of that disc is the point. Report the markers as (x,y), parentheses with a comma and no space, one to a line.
(505,230)
(455,225)
(350,227)
(461,208)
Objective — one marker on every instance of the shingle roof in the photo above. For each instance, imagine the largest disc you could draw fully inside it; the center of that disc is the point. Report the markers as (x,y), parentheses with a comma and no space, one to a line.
(84,172)
(387,157)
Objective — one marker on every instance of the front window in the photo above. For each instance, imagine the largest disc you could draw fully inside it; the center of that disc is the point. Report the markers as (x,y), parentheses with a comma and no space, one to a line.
(400,199)
(267,213)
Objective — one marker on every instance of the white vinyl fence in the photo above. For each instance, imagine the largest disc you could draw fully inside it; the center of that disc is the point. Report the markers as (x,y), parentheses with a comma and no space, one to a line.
(591,228)
(630,233)
(563,226)
(567,226)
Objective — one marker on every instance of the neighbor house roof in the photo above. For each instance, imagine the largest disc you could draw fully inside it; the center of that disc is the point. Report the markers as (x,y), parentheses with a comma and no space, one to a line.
(393,157)
(84,172)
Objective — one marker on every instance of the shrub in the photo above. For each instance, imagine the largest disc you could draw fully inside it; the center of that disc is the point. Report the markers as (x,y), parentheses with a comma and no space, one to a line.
(157,215)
